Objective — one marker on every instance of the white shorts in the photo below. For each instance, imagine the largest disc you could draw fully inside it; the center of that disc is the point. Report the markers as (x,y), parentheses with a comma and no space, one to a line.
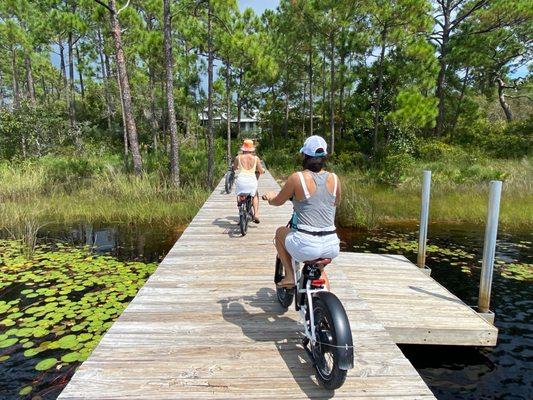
(246,184)
(304,247)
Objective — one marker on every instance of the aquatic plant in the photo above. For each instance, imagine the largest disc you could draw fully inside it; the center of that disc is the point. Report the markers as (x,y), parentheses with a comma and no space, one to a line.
(454,255)
(56,306)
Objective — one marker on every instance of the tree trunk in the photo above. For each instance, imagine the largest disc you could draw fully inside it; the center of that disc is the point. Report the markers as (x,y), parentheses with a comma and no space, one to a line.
(441,79)
(169,70)
(154,126)
(460,101)
(71,99)
(210,132)
(501,98)
(304,97)
(1,91)
(44,97)
(324,92)
(63,66)
(239,105)
(16,94)
(80,73)
(228,110)
(125,89)
(341,96)
(29,80)
(310,73)
(124,124)
(331,94)
(105,80)
(272,115)
(379,89)
(286,117)
(186,115)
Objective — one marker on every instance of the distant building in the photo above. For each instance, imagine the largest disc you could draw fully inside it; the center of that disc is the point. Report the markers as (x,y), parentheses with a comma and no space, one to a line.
(250,124)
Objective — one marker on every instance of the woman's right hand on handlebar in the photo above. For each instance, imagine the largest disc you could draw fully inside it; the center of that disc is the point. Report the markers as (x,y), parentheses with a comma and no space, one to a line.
(269,196)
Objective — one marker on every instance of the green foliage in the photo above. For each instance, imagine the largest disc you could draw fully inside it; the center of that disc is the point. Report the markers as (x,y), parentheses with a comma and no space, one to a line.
(394,168)
(436,150)
(498,139)
(30,131)
(414,110)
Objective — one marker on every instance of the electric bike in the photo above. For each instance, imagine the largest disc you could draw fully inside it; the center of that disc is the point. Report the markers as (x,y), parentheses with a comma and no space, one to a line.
(327,333)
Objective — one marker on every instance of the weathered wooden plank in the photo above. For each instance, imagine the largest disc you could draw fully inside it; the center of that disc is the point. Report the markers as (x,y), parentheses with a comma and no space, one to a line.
(413,307)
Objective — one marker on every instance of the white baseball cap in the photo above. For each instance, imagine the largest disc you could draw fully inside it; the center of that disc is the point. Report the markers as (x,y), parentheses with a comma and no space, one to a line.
(315,146)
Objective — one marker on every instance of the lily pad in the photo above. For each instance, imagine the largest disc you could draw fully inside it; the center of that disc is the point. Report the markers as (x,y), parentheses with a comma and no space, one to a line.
(8,342)
(71,357)
(25,390)
(46,364)
(31,352)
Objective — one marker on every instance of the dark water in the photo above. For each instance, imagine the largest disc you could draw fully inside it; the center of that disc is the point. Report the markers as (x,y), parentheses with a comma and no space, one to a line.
(502,372)
(453,372)
(148,243)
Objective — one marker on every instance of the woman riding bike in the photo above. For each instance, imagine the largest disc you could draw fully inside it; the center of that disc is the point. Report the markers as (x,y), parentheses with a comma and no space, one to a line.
(315,193)
(248,165)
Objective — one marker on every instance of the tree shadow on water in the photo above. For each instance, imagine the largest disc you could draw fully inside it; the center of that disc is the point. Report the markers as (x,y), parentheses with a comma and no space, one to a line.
(271,326)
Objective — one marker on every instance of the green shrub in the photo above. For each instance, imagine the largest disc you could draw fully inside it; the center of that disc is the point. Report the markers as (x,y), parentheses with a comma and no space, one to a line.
(435,150)
(513,142)
(498,138)
(394,168)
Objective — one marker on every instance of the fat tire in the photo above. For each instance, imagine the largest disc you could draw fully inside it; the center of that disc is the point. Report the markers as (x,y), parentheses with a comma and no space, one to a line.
(335,379)
(227,182)
(284,295)
(243,219)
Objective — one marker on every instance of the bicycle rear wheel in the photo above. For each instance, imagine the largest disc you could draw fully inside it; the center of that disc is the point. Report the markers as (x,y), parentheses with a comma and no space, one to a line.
(243,219)
(326,358)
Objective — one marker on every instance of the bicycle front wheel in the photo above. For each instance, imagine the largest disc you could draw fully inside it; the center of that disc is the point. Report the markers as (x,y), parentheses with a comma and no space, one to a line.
(284,295)
(227,182)
(243,219)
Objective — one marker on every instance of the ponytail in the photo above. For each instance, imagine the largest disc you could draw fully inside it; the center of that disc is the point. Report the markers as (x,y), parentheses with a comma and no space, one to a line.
(314,164)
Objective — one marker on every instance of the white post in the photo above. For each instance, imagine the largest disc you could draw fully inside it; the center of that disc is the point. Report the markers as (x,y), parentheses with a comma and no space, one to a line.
(424,214)
(489,247)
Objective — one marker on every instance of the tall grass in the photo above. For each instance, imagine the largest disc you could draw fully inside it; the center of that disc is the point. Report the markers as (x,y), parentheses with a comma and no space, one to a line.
(459,191)
(68,190)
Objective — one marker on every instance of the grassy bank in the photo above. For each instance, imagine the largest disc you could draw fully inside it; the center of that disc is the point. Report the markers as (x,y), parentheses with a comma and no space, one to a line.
(99,188)
(390,194)
(66,190)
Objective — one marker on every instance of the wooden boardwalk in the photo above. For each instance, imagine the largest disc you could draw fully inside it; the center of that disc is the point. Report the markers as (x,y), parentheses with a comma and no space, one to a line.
(413,308)
(207,325)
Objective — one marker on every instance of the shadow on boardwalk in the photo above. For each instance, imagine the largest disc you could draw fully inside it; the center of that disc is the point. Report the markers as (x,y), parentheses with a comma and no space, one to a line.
(287,340)
(230,224)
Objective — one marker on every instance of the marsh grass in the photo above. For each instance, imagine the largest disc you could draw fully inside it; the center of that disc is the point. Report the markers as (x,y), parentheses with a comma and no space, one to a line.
(459,192)
(33,193)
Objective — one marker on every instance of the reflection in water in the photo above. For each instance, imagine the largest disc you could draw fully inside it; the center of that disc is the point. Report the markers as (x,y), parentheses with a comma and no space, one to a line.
(452,372)
(146,242)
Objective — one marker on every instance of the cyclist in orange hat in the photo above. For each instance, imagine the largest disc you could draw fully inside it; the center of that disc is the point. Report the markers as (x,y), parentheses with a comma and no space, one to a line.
(248,164)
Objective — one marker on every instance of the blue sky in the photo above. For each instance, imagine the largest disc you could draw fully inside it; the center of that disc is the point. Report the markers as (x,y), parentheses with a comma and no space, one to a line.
(258,5)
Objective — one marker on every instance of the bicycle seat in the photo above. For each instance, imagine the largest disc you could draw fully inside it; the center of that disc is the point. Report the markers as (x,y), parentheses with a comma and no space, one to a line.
(319,261)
